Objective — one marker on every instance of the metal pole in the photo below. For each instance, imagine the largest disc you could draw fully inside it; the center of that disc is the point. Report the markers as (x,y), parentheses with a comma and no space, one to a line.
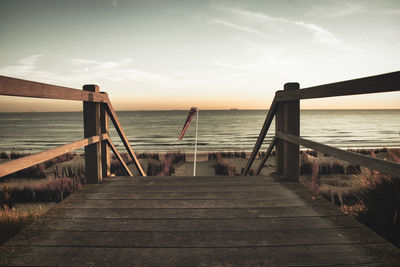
(195,143)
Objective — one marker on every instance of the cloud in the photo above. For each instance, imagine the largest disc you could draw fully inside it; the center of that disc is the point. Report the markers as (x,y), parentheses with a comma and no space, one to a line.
(335,9)
(116,71)
(83,71)
(27,68)
(235,26)
(319,34)
(229,66)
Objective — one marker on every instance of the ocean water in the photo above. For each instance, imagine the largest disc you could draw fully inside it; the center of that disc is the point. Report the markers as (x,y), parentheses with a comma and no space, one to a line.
(219,130)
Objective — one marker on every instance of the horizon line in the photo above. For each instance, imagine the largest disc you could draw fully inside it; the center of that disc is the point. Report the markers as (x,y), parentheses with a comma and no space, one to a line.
(231,109)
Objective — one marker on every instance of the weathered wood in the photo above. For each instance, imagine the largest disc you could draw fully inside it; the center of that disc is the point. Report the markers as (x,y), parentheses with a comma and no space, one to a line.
(123,137)
(279,146)
(189,188)
(291,125)
(267,123)
(200,231)
(187,204)
(17,87)
(207,213)
(28,161)
(186,195)
(305,255)
(119,157)
(388,82)
(105,150)
(383,166)
(266,156)
(91,123)
(203,239)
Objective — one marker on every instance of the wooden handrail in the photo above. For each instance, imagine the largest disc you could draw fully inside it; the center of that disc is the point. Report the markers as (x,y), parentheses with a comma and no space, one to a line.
(31,160)
(267,123)
(17,87)
(287,111)
(388,82)
(384,166)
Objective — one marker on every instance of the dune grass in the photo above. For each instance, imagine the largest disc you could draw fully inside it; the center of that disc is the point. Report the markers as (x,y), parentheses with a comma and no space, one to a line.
(13,220)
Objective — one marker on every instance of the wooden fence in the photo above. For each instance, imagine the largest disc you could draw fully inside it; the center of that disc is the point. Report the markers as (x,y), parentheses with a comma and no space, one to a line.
(285,108)
(97,110)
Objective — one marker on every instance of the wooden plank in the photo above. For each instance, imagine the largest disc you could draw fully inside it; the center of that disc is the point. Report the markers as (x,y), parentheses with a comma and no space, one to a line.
(312,255)
(291,126)
(188,195)
(178,213)
(192,239)
(91,123)
(387,82)
(187,179)
(105,149)
(123,137)
(266,156)
(28,161)
(221,182)
(17,87)
(383,166)
(119,157)
(200,225)
(193,188)
(186,203)
(76,234)
(267,123)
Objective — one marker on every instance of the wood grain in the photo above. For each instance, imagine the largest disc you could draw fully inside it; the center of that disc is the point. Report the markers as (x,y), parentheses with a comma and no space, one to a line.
(384,166)
(28,161)
(287,226)
(388,82)
(17,87)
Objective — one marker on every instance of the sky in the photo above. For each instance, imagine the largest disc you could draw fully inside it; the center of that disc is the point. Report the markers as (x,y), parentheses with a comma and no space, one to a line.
(212,54)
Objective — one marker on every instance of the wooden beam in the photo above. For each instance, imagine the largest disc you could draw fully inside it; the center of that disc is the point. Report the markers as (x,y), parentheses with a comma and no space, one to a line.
(91,123)
(28,161)
(388,82)
(267,123)
(291,124)
(17,87)
(105,149)
(383,166)
(279,126)
(267,154)
(116,153)
(121,133)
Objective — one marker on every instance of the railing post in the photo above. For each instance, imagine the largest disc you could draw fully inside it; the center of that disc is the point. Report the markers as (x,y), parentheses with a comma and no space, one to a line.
(105,149)
(91,125)
(279,127)
(291,125)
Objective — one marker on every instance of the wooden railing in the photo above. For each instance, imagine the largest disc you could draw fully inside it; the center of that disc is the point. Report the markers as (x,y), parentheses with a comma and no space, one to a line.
(285,108)
(97,109)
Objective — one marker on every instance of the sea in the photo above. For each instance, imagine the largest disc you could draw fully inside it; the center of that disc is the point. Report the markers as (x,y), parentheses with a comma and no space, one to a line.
(218,130)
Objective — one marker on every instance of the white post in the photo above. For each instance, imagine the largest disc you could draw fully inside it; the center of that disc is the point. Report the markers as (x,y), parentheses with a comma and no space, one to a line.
(195,143)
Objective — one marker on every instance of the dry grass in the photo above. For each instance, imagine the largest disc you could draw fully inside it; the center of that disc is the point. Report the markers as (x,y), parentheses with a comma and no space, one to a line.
(13,220)
(373,198)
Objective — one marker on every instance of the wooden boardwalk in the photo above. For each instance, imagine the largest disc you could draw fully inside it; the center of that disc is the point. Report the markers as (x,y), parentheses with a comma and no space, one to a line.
(196,221)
